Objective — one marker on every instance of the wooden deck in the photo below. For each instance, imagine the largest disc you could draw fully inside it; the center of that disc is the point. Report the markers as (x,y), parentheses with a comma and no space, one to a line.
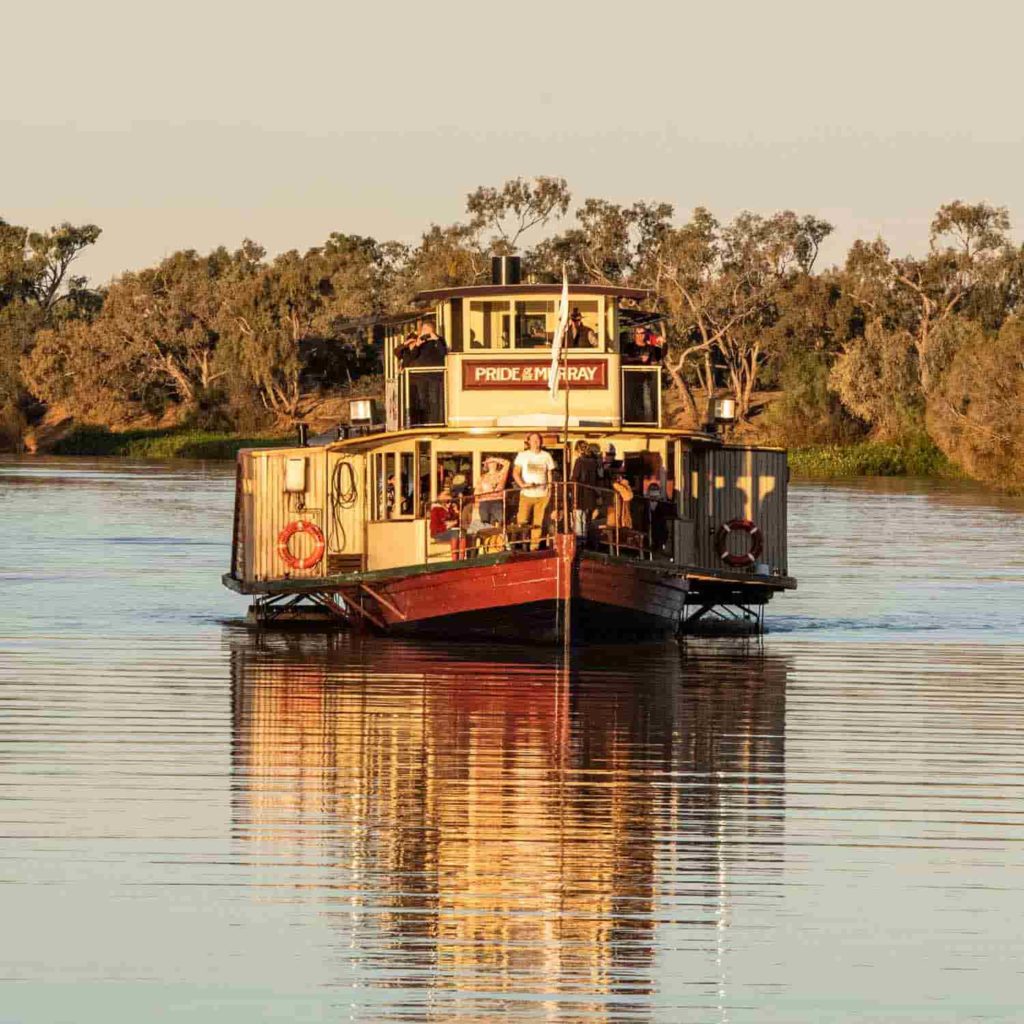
(323,584)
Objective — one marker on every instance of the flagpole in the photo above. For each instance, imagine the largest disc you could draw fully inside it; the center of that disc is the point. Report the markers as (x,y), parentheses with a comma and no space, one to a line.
(560,368)
(567,462)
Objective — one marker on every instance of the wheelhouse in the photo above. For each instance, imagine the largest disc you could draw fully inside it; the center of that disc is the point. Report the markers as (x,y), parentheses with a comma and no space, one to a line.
(497,370)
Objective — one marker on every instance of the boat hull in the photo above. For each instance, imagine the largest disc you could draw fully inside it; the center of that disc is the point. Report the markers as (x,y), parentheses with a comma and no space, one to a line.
(533,597)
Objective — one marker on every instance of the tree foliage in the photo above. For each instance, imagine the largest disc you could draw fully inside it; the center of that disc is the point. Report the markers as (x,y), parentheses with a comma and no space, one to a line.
(885,346)
(37,291)
(516,207)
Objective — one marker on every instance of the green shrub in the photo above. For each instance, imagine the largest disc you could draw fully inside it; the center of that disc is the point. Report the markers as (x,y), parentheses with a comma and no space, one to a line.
(161,444)
(916,457)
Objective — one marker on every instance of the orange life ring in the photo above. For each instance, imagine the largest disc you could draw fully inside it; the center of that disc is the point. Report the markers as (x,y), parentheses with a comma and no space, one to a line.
(756,542)
(319,544)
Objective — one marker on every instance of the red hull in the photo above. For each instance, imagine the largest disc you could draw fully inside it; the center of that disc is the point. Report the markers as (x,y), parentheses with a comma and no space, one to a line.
(525,598)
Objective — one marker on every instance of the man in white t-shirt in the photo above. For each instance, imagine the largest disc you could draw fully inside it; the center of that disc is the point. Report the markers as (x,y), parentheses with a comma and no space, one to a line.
(533,471)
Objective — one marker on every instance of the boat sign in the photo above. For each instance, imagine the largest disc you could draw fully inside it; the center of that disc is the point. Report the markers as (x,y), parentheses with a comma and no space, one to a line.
(530,375)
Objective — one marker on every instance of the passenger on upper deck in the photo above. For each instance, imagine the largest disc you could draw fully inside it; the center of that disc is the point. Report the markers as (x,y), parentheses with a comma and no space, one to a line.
(424,348)
(645,347)
(405,350)
(426,391)
(433,348)
(578,334)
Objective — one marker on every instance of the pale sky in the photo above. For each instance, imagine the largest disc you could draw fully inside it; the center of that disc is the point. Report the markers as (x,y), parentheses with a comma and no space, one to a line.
(193,124)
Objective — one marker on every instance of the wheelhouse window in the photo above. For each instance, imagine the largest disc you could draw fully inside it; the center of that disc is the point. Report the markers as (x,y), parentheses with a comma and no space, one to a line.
(530,323)
(489,326)
(535,323)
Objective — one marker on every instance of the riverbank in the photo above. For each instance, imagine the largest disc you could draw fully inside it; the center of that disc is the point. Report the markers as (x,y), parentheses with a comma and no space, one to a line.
(817,462)
(175,443)
(871,458)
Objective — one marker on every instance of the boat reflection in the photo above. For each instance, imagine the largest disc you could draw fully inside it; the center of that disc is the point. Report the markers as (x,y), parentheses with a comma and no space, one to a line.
(479,822)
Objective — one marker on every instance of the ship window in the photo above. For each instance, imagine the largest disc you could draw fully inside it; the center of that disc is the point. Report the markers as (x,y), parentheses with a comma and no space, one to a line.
(388,481)
(535,323)
(377,488)
(489,325)
(405,484)
(454,334)
(422,478)
(392,493)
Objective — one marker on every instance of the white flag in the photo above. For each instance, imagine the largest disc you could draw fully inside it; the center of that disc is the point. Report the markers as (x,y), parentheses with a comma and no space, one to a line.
(559,339)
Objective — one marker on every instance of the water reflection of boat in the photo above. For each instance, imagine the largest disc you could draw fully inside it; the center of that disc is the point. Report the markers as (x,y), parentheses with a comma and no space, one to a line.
(483,827)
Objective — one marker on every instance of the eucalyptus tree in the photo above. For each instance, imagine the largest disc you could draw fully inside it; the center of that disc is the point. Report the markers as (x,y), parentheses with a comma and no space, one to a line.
(609,244)
(720,285)
(976,408)
(37,290)
(968,260)
(512,209)
(269,317)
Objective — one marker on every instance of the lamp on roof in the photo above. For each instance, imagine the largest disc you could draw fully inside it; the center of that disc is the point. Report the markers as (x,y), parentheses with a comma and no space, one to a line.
(360,411)
(725,410)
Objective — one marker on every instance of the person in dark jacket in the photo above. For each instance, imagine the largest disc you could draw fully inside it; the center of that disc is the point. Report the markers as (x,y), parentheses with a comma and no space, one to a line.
(586,475)
(426,391)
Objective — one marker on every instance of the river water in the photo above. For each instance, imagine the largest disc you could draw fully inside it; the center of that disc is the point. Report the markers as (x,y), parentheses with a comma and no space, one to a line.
(198,825)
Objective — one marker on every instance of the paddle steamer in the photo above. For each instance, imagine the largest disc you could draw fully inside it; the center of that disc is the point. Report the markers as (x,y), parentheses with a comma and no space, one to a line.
(681,530)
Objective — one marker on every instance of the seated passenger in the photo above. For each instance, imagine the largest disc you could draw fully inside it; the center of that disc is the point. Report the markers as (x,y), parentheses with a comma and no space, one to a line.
(491,490)
(578,334)
(444,518)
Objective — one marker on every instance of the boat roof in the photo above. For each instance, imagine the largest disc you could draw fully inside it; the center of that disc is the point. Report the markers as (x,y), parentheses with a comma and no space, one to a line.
(365,442)
(473,290)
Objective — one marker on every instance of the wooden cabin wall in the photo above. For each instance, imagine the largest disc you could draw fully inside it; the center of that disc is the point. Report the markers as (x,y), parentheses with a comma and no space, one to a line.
(274,508)
(241,553)
(741,483)
(347,503)
(396,543)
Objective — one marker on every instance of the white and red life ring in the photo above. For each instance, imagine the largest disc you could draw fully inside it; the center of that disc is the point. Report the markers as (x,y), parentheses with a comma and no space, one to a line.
(285,536)
(748,527)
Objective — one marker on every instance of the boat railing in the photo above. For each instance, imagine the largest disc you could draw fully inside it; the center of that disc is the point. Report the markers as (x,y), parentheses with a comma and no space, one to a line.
(608,519)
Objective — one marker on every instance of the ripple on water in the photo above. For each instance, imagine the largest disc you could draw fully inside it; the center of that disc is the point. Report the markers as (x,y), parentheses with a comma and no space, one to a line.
(199,824)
